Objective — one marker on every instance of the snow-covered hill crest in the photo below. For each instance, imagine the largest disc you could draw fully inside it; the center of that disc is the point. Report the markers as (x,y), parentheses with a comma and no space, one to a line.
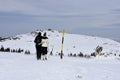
(73,43)
(69,68)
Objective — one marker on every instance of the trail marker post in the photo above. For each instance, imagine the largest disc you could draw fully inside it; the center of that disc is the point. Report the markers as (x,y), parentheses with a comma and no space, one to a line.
(62,46)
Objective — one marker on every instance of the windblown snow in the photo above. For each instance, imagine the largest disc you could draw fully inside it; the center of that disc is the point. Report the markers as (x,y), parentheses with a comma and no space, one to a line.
(14,66)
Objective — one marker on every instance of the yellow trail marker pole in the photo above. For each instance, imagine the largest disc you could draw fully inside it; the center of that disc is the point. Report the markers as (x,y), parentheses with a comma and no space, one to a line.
(62,46)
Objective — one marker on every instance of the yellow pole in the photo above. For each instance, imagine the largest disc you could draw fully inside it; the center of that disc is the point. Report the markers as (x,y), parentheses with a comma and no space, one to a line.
(62,46)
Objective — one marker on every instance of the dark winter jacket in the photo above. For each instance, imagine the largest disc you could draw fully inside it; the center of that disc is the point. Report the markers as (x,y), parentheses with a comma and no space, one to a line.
(38,39)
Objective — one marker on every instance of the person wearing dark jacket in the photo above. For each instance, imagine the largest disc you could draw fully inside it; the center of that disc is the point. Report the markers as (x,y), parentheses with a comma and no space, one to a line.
(38,45)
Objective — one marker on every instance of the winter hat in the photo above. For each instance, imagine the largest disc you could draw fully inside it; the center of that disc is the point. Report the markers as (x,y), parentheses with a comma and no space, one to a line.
(39,33)
(44,34)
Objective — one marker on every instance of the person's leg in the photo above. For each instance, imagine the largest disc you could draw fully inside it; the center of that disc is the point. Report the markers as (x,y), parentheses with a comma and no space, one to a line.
(45,53)
(42,52)
(37,52)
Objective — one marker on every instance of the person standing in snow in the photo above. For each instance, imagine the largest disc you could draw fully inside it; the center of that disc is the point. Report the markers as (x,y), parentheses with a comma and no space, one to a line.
(44,46)
(38,45)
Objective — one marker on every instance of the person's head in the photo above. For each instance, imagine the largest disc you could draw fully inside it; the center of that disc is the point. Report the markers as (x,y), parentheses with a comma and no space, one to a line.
(39,34)
(44,34)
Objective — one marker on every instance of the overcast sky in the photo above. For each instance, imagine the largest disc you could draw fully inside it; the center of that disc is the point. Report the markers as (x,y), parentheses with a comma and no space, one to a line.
(91,17)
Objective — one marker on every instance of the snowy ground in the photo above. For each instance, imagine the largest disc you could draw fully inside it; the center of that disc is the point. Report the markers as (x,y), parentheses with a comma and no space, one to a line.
(26,67)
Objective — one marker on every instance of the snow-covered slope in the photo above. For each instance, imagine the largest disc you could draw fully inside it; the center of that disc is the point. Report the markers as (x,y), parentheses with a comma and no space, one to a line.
(24,67)
(72,43)
(27,67)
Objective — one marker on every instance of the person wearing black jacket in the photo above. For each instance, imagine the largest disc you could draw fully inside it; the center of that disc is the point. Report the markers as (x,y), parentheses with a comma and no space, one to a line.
(38,45)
